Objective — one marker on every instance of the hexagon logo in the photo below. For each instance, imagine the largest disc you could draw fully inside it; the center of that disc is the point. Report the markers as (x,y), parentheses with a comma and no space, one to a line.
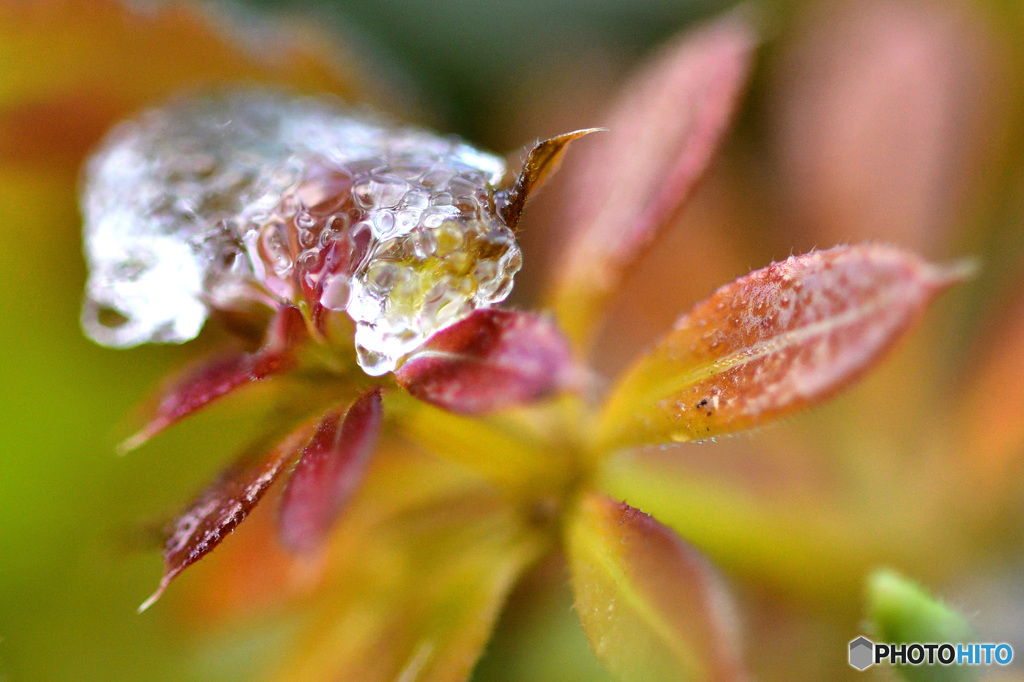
(862,653)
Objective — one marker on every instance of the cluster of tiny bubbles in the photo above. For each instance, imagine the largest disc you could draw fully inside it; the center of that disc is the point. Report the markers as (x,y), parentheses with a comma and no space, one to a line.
(213,201)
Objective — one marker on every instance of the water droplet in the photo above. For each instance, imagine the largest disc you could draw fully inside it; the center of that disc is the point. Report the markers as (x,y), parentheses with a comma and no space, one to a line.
(274,248)
(381,277)
(191,204)
(374,363)
(405,222)
(462,187)
(308,238)
(441,199)
(336,292)
(310,261)
(424,243)
(437,178)
(337,226)
(416,199)
(383,224)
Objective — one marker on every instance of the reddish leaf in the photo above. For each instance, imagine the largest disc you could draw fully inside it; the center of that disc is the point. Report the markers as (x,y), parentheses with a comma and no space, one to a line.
(663,134)
(490,360)
(331,467)
(214,378)
(222,506)
(653,608)
(772,342)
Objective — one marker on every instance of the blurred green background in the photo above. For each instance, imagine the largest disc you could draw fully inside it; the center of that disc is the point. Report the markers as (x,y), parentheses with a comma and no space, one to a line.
(73,515)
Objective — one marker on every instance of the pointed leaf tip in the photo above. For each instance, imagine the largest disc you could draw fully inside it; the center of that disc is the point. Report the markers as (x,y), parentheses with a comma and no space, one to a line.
(773,342)
(153,598)
(210,380)
(219,509)
(653,608)
(629,184)
(491,360)
(330,469)
(542,162)
(193,390)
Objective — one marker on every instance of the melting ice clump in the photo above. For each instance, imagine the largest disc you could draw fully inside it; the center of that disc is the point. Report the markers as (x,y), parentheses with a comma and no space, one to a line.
(217,202)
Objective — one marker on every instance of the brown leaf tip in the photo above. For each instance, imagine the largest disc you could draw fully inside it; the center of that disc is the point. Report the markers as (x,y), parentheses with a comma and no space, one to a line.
(542,161)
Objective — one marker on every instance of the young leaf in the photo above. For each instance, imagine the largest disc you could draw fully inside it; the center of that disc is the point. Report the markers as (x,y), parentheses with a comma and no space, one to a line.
(541,163)
(257,572)
(772,342)
(901,612)
(221,507)
(491,360)
(662,136)
(214,378)
(652,606)
(414,596)
(331,466)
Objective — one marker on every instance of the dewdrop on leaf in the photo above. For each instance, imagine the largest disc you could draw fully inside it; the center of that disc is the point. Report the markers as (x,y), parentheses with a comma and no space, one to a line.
(249,196)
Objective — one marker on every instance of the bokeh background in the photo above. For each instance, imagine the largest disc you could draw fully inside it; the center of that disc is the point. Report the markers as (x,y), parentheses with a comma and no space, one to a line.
(898,121)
